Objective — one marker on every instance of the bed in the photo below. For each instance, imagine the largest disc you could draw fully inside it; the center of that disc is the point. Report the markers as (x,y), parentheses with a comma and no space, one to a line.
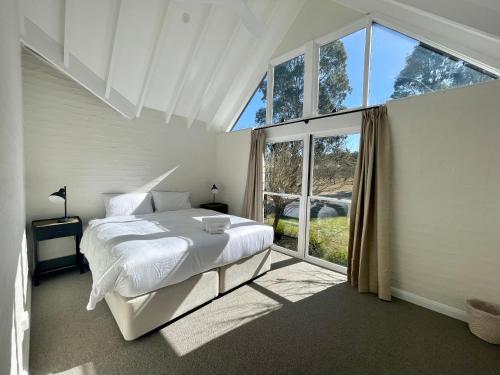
(155,267)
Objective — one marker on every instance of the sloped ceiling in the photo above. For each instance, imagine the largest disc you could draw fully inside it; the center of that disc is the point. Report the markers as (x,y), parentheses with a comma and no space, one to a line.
(196,60)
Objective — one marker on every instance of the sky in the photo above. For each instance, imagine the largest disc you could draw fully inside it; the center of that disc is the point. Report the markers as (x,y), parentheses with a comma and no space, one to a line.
(388,55)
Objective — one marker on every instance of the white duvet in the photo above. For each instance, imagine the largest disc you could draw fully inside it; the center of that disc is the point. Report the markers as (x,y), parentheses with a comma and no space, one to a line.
(134,255)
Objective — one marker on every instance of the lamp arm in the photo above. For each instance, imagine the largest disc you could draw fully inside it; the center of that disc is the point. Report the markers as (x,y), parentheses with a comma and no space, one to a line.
(65,200)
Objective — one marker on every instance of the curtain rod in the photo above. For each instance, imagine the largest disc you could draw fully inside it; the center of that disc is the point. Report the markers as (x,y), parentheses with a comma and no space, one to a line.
(307,119)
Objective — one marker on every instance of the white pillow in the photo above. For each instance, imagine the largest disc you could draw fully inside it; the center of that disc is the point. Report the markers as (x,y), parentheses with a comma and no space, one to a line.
(128,204)
(171,200)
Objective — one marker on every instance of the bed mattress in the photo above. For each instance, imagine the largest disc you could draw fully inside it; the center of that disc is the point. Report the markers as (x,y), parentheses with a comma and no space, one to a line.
(134,255)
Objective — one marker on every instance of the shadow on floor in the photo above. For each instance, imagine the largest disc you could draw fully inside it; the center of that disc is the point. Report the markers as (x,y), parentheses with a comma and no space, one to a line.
(290,321)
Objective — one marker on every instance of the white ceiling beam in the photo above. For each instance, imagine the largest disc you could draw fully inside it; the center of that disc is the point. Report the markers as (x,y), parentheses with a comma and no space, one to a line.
(204,89)
(195,46)
(67,40)
(261,52)
(268,13)
(112,56)
(153,62)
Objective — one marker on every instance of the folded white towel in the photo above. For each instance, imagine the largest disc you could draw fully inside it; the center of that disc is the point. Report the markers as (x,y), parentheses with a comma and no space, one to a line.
(215,224)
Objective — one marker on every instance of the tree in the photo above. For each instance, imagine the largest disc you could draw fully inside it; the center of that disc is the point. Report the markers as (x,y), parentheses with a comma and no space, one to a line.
(284,160)
(428,70)
(283,173)
(334,165)
(333,79)
(288,89)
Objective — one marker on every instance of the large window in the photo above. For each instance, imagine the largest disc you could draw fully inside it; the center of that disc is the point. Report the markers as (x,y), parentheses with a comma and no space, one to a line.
(341,67)
(255,111)
(402,66)
(288,90)
(336,79)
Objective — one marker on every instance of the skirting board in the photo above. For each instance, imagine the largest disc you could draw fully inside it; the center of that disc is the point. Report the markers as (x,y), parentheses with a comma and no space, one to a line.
(441,308)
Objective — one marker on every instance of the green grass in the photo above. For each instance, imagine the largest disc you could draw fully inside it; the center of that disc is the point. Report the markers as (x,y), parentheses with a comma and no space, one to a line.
(328,238)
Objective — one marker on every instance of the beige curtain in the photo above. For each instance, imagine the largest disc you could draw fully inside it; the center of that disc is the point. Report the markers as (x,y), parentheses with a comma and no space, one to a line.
(252,202)
(368,267)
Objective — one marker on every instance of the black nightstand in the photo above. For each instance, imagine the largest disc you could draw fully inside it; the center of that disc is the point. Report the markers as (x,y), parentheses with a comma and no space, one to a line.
(51,228)
(215,206)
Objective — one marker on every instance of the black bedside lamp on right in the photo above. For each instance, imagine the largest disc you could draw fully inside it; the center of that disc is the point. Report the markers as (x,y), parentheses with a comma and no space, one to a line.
(214,191)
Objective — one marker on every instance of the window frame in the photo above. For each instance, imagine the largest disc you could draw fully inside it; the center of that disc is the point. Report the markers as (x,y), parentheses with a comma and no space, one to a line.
(304,188)
(310,50)
(310,197)
(270,82)
(364,23)
(305,195)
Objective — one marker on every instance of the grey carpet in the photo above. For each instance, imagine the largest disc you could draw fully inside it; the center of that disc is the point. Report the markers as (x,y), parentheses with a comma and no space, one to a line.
(296,319)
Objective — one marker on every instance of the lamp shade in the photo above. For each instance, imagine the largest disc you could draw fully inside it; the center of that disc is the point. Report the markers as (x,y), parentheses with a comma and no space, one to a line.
(58,196)
(214,189)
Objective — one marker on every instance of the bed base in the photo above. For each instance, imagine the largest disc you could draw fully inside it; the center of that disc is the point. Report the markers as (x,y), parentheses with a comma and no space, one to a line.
(235,274)
(138,315)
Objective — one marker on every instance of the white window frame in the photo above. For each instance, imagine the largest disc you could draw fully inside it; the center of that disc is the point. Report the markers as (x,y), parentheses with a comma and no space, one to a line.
(302,202)
(305,199)
(310,50)
(311,196)
(363,23)
(310,109)
(270,81)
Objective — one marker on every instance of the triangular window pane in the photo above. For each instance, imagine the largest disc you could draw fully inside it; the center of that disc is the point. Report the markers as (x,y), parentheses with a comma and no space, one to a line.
(254,113)
(402,66)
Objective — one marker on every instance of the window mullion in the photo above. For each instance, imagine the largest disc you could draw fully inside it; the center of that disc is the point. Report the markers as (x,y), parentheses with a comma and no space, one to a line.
(310,72)
(366,75)
(269,98)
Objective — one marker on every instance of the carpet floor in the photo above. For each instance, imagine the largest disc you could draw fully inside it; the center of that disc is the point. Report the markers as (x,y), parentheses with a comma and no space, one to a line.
(296,319)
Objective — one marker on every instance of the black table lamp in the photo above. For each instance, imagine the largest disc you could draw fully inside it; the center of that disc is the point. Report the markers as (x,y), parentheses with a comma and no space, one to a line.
(60,197)
(214,190)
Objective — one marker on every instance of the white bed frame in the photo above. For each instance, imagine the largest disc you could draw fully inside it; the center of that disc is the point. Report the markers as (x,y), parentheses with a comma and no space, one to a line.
(139,315)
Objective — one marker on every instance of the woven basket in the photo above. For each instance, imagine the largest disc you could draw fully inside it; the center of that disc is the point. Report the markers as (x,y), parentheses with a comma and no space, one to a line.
(484,320)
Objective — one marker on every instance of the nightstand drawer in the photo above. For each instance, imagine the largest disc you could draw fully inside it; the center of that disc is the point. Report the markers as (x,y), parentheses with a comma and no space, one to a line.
(215,206)
(47,233)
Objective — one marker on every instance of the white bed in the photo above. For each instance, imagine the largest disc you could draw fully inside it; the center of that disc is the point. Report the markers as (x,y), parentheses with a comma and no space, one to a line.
(153,255)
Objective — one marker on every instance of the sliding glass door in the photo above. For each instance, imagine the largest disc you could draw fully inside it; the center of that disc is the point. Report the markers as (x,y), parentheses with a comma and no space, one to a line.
(308,192)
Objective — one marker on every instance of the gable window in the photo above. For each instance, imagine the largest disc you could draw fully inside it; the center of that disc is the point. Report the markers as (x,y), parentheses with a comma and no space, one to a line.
(288,90)
(402,66)
(363,65)
(341,67)
(254,113)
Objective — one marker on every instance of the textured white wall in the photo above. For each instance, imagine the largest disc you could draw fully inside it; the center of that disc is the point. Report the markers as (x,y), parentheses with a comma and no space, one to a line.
(73,139)
(14,295)
(232,165)
(445,235)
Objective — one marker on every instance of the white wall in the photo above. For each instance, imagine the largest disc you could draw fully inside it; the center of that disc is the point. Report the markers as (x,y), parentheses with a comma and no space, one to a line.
(233,150)
(73,139)
(14,284)
(445,235)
